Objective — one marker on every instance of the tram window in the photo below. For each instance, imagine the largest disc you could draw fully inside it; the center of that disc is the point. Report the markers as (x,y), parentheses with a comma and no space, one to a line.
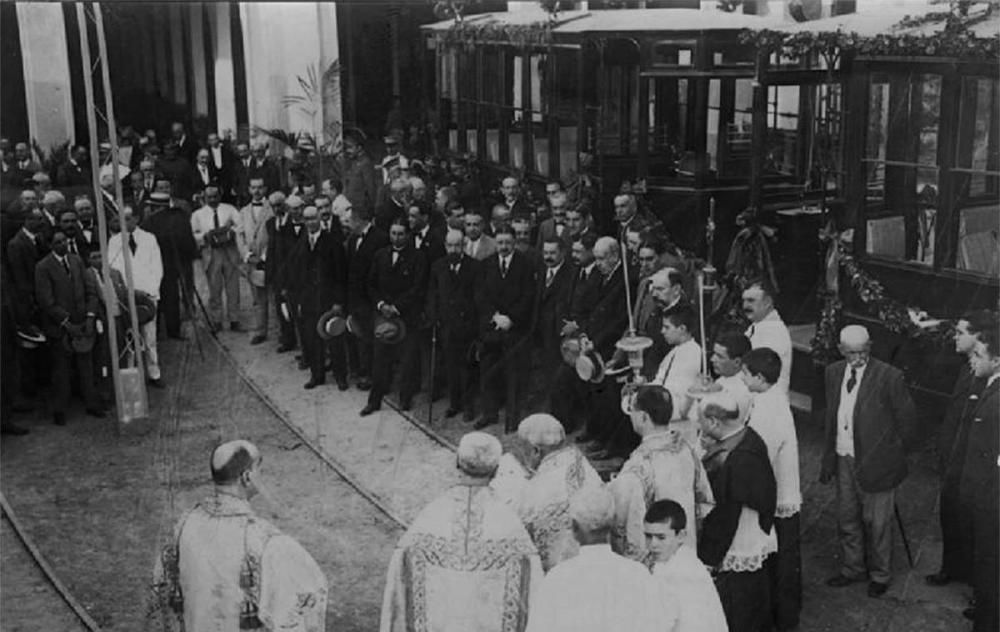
(782,132)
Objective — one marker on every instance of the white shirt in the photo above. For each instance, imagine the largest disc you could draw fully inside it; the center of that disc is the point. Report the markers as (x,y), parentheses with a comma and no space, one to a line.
(251,234)
(203,172)
(203,221)
(845,412)
(771,332)
(678,371)
(505,263)
(598,591)
(686,581)
(420,237)
(735,386)
(216,156)
(341,207)
(550,273)
(147,264)
(772,418)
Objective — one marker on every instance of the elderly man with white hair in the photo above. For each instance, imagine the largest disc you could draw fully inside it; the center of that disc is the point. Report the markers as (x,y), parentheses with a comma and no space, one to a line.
(869,418)
(598,590)
(147,273)
(466,562)
(226,569)
(53,204)
(559,471)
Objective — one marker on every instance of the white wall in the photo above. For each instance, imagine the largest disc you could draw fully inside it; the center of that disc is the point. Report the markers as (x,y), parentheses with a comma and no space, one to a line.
(46,72)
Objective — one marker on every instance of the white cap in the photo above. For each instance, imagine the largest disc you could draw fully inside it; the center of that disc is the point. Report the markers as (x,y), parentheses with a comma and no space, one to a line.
(541,430)
(479,454)
(592,508)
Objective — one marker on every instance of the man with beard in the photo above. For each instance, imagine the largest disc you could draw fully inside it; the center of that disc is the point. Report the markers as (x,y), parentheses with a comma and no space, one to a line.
(364,241)
(451,307)
(397,284)
(316,273)
(187,147)
(505,302)
(239,181)
(204,173)
(68,303)
(358,172)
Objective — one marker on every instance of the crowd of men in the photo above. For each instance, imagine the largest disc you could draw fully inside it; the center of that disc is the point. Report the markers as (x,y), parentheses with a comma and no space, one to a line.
(405,273)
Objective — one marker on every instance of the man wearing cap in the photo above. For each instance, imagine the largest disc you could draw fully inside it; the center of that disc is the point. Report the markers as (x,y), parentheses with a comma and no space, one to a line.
(397,285)
(393,157)
(315,278)
(869,418)
(214,226)
(560,471)
(737,535)
(147,274)
(505,303)
(451,307)
(766,327)
(252,237)
(224,568)
(664,465)
(598,590)
(466,562)
(358,172)
(364,241)
(171,225)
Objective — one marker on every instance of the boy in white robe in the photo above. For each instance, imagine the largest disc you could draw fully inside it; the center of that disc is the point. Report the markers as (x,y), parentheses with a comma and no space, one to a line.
(678,573)
(226,569)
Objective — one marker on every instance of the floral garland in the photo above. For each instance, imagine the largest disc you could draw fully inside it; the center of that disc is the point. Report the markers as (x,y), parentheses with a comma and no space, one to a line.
(466,34)
(894,316)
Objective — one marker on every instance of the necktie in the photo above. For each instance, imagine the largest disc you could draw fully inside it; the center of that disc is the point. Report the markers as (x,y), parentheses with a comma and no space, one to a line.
(65,265)
(131,243)
(395,256)
(215,217)
(504,264)
(72,246)
(549,276)
(853,380)
(418,240)
(583,275)
(753,328)
(454,269)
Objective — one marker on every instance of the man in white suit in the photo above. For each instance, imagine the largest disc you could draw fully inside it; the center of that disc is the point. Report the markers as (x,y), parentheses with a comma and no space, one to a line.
(215,226)
(251,236)
(147,272)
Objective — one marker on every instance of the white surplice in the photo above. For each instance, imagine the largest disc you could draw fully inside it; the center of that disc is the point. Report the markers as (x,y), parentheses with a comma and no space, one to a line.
(510,480)
(771,332)
(544,503)
(466,564)
(772,418)
(597,591)
(224,566)
(685,579)
(664,466)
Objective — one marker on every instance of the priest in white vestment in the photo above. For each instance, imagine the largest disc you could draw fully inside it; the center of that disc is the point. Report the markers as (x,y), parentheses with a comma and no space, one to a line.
(767,329)
(226,569)
(679,574)
(466,564)
(598,590)
(665,465)
(560,471)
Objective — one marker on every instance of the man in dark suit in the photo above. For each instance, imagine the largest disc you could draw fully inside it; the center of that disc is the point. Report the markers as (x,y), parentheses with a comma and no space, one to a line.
(239,180)
(68,302)
(504,302)
(517,206)
(171,226)
(277,251)
(316,278)
(187,147)
(555,226)
(609,317)
(289,234)
(24,252)
(261,166)
(204,173)
(395,206)
(397,283)
(869,416)
(451,307)
(76,243)
(426,238)
(178,170)
(362,244)
(980,482)
(555,294)
(73,176)
(222,159)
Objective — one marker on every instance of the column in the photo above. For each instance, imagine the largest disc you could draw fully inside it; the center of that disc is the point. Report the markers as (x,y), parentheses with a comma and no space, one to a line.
(46,73)
(197,42)
(161,60)
(176,26)
(225,87)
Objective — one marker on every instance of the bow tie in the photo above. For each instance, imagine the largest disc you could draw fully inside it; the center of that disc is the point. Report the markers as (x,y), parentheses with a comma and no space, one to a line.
(256,204)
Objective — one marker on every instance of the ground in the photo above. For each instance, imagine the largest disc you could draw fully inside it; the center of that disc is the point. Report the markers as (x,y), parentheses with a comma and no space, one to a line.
(98,503)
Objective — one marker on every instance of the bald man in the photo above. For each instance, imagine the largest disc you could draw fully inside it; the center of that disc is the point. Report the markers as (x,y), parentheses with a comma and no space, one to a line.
(226,569)
(869,417)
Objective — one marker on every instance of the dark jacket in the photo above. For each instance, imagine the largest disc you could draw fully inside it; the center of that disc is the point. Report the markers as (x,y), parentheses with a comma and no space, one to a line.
(512,296)
(883,421)
(358,178)
(268,171)
(451,299)
(214,178)
(172,228)
(63,296)
(402,285)
(284,246)
(980,479)
(316,278)
(23,254)
(586,293)
(360,256)
(553,302)
(432,246)
(609,317)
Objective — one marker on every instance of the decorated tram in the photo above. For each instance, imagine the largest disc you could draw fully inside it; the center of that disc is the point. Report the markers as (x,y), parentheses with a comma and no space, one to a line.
(861,148)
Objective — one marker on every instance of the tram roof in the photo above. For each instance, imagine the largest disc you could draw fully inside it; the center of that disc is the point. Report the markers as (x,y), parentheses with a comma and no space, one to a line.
(885,20)
(634,20)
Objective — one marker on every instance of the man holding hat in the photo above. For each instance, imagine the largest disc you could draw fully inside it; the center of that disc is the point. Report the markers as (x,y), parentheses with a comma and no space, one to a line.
(397,284)
(171,225)
(466,562)
(316,276)
(214,226)
(560,471)
(598,590)
(663,466)
(253,237)
(224,568)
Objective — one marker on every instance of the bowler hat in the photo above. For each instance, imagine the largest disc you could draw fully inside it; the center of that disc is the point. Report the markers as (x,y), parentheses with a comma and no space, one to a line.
(590,366)
(331,324)
(390,331)
(30,338)
(159,198)
(356,326)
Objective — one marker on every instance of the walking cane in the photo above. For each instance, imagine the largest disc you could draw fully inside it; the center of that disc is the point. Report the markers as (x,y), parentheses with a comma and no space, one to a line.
(902,532)
(430,393)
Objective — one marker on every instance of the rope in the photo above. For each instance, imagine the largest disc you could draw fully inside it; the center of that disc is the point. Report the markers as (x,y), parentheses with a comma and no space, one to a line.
(29,544)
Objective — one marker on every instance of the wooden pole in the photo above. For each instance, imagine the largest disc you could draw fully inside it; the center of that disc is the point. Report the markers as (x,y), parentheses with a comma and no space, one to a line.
(110,297)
